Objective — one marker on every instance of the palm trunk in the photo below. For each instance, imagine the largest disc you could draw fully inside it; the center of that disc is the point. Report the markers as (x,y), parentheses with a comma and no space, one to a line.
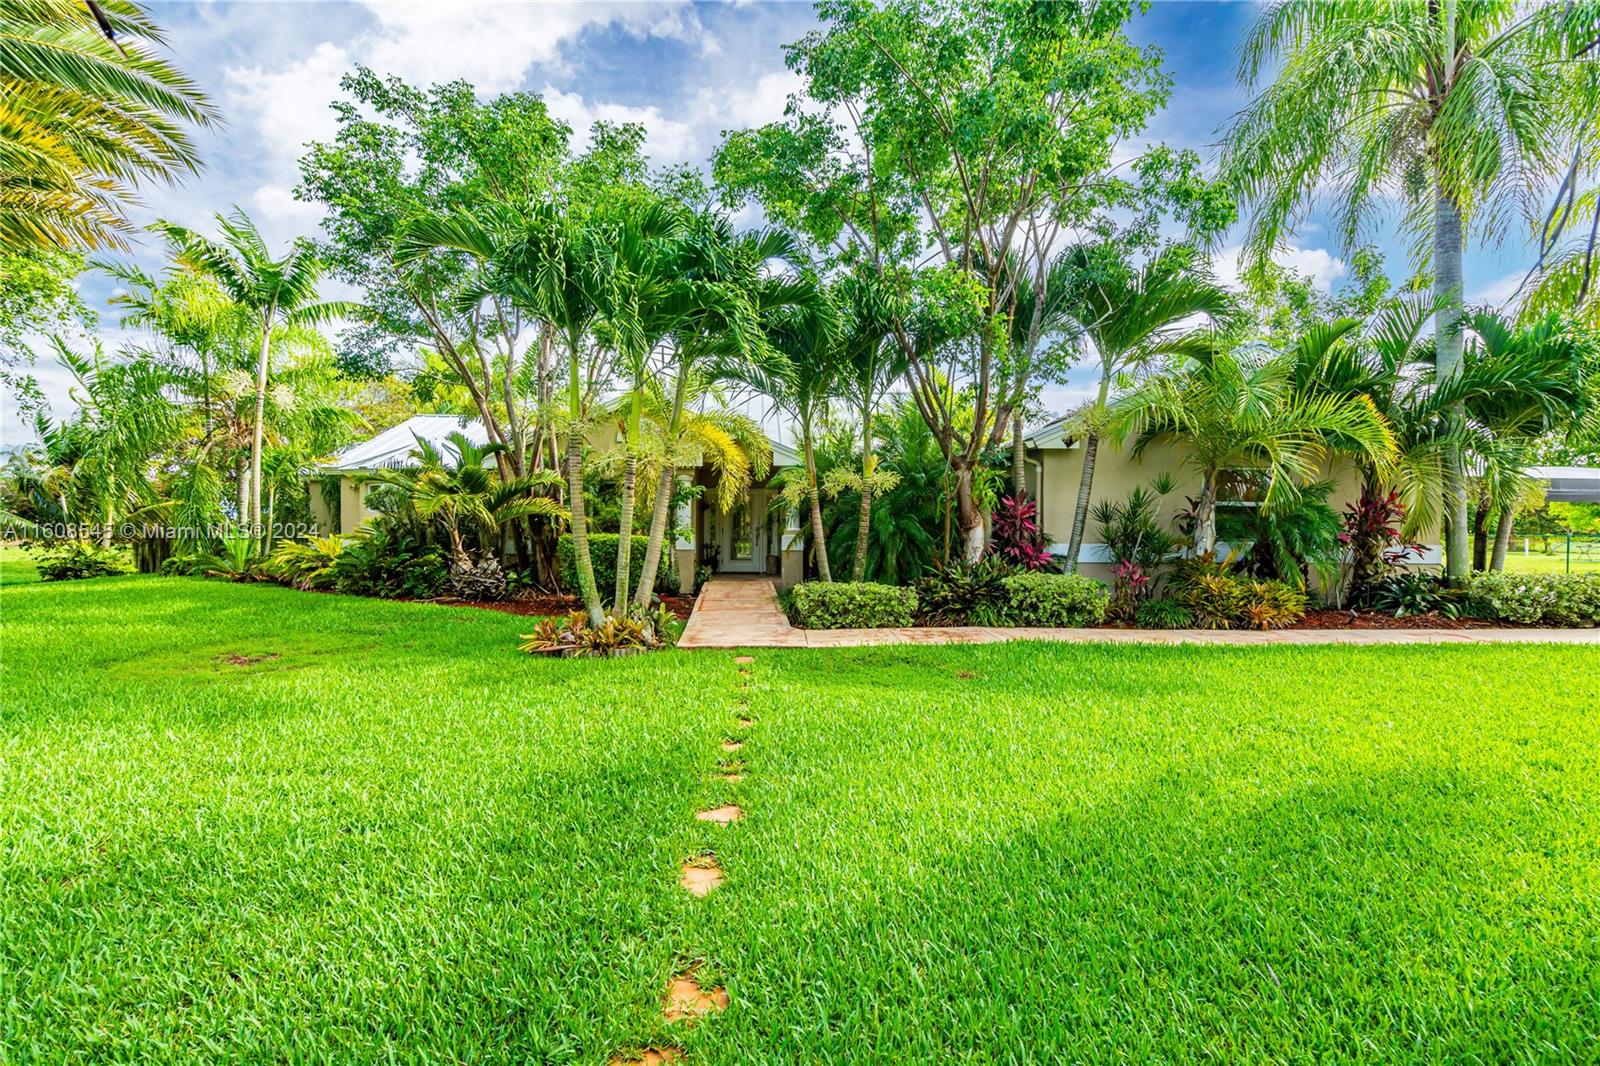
(272,509)
(244,493)
(256,432)
(1502,538)
(580,523)
(1019,458)
(869,466)
(1447,267)
(658,516)
(1205,516)
(1480,535)
(1091,449)
(630,474)
(819,537)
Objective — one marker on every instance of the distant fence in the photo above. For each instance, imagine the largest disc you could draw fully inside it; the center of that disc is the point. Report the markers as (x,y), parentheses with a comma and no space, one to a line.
(1555,553)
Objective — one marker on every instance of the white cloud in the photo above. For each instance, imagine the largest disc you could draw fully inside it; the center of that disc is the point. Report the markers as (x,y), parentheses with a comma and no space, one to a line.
(667,140)
(1498,292)
(1322,266)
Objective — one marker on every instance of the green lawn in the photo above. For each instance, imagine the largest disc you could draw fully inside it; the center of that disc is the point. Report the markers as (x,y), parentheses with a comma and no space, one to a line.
(1585,560)
(16,567)
(395,837)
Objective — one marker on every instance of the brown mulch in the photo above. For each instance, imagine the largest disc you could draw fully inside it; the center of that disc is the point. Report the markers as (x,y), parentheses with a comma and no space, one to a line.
(540,605)
(1326,619)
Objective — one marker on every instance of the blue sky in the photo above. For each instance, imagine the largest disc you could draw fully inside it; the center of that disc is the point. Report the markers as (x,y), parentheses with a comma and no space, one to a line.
(686,71)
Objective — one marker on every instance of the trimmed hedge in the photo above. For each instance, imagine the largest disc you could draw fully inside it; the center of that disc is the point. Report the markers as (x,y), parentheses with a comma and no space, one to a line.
(1055,601)
(851,605)
(603,554)
(1534,599)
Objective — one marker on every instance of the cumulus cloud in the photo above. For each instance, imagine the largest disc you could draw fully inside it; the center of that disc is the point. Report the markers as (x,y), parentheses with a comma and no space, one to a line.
(1322,266)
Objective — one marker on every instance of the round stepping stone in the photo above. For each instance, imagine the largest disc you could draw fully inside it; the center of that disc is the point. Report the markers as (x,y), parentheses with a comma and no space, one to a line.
(733,778)
(722,815)
(701,876)
(744,723)
(732,745)
(687,1001)
(744,660)
(650,1056)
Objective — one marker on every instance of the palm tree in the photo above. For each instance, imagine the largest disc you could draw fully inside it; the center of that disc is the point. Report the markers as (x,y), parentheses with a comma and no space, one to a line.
(725,296)
(278,292)
(1458,106)
(808,337)
(869,366)
(87,109)
(1128,316)
(465,491)
(1241,411)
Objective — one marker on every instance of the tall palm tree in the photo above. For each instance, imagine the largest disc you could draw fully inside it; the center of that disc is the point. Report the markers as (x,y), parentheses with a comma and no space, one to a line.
(869,366)
(1128,317)
(809,337)
(1233,411)
(1459,106)
(278,292)
(727,294)
(87,109)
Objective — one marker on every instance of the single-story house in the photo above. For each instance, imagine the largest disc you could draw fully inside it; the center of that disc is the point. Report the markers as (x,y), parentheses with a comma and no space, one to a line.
(746,538)
(1055,467)
(749,538)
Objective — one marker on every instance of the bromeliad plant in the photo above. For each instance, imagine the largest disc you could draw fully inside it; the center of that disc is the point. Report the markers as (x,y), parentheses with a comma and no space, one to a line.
(618,635)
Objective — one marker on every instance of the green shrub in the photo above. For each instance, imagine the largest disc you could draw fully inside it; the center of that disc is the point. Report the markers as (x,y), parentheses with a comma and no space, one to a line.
(393,565)
(965,594)
(72,562)
(1532,599)
(1410,592)
(1055,600)
(1163,614)
(603,554)
(306,564)
(1222,601)
(852,605)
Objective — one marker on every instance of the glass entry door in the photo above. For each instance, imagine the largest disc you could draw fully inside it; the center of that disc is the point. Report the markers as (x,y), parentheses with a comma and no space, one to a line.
(744,535)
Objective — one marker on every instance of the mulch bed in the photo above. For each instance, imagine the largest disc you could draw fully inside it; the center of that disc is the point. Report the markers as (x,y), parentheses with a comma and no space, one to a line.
(540,605)
(1321,618)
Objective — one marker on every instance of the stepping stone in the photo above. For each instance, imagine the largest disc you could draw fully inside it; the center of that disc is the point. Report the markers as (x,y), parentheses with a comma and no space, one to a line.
(732,745)
(744,660)
(744,723)
(687,1001)
(701,876)
(650,1056)
(722,815)
(733,779)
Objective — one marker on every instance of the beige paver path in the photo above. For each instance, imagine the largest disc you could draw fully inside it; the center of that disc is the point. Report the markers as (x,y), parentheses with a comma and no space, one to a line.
(741,612)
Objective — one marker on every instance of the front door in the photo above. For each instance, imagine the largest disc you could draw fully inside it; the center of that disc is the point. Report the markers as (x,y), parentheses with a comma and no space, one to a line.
(742,534)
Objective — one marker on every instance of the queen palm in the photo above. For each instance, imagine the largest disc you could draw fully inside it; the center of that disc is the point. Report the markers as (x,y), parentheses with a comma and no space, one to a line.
(1127,316)
(87,109)
(1234,410)
(277,291)
(1456,106)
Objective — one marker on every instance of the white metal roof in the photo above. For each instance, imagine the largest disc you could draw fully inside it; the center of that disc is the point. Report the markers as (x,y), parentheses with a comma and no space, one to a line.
(392,448)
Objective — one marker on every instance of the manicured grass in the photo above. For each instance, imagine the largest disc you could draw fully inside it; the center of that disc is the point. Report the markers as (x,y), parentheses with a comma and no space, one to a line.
(16,567)
(401,838)
(1555,563)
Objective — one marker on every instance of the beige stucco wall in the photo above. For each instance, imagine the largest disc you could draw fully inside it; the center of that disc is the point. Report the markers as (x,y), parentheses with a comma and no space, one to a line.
(1117,473)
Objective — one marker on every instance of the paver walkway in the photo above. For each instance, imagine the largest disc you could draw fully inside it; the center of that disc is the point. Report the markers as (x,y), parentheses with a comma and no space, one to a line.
(742,612)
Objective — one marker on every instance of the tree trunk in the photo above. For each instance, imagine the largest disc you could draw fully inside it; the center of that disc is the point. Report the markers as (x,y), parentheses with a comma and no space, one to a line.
(1502,538)
(1205,517)
(1019,458)
(256,434)
(656,544)
(819,536)
(1480,535)
(869,466)
(1091,449)
(630,474)
(244,492)
(1447,267)
(272,510)
(580,523)
(968,519)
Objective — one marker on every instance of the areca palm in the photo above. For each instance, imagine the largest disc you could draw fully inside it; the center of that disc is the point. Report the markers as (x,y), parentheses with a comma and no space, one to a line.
(1234,411)
(870,364)
(87,109)
(1128,316)
(277,291)
(1460,107)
